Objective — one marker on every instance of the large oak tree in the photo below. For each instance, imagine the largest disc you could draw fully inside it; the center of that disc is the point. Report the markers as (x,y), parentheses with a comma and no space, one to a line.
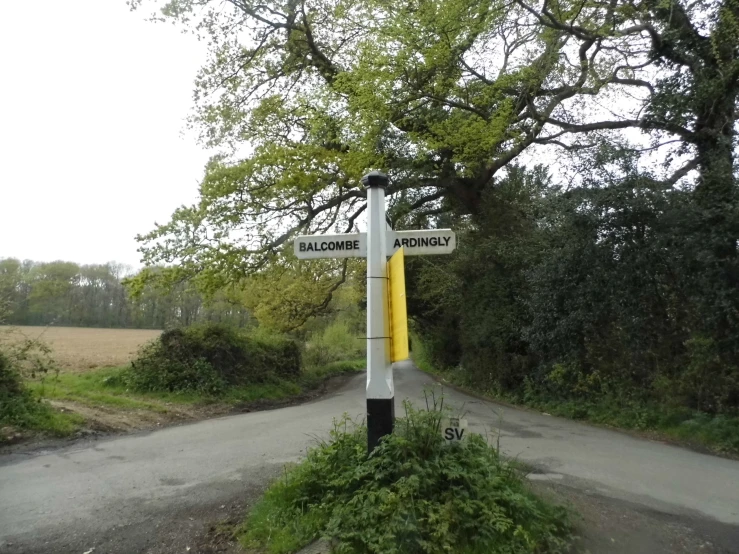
(303,96)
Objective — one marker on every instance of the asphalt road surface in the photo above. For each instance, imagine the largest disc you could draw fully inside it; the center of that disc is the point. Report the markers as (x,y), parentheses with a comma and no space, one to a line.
(152,492)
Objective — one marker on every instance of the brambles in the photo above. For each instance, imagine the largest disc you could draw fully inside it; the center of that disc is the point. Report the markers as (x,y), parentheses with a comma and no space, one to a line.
(210,358)
(19,408)
(15,400)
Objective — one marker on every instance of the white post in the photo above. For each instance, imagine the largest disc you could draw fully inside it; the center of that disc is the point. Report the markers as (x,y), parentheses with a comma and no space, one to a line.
(380,389)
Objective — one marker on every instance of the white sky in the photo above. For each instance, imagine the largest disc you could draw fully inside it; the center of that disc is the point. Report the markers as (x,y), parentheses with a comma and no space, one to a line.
(93,100)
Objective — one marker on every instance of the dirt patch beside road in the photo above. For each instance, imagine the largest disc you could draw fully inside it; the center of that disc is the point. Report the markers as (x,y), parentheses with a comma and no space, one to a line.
(111,420)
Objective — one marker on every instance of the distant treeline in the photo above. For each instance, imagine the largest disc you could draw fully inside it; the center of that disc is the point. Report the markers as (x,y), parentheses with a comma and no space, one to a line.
(66,293)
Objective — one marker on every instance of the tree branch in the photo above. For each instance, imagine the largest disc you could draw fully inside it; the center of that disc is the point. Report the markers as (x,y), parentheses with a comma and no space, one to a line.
(318,309)
(682,172)
(623,124)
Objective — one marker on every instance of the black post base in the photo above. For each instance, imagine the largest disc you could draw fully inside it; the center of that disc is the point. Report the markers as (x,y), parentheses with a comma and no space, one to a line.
(380,420)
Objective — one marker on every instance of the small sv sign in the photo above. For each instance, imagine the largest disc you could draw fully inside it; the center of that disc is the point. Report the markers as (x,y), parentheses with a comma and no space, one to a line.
(453,429)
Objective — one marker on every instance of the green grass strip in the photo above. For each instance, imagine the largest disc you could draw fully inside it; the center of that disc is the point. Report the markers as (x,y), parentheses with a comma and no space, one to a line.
(107,387)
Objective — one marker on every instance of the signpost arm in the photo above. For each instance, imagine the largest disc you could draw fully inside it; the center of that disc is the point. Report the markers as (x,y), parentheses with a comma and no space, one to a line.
(380,389)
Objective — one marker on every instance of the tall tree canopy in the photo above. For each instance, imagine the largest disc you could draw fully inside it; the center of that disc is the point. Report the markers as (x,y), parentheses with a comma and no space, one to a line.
(303,96)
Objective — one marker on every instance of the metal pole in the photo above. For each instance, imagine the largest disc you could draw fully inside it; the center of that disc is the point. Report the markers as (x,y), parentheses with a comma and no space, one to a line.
(380,389)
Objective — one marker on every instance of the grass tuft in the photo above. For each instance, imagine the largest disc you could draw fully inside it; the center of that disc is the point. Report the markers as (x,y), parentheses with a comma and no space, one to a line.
(52,422)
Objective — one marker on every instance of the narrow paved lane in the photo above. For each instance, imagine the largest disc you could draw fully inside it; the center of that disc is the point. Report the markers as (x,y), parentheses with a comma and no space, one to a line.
(74,498)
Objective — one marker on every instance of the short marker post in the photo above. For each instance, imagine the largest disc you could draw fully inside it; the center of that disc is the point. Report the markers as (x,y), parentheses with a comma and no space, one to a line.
(380,388)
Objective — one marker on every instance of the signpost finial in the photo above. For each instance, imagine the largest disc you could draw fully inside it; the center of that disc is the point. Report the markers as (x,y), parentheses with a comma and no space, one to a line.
(375,179)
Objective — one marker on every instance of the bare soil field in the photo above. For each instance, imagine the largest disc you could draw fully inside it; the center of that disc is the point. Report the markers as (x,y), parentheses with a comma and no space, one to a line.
(79,349)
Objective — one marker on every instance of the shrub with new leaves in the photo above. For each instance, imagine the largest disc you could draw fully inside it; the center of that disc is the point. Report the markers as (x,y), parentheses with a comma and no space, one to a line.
(335,343)
(23,357)
(15,400)
(414,494)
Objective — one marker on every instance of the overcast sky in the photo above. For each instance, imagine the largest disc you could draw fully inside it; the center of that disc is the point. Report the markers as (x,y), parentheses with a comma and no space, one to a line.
(93,100)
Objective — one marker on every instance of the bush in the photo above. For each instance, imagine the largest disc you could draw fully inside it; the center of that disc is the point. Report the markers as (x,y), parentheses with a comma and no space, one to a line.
(707,383)
(609,289)
(335,343)
(15,400)
(272,353)
(19,408)
(209,358)
(21,356)
(414,494)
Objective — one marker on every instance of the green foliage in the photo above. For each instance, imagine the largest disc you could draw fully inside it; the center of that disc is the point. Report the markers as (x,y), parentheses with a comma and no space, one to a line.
(19,407)
(20,358)
(469,308)
(64,293)
(617,408)
(102,387)
(718,433)
(334,343)
(343,366)
(414,494)
(710,382)
(596,292)
(109,388)
(443,95)
(209,358)
(15,401)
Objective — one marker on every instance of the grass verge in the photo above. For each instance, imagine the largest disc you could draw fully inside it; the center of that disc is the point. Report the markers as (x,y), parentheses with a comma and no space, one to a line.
(414,494)
(717,434)
(40,418)
(108,387)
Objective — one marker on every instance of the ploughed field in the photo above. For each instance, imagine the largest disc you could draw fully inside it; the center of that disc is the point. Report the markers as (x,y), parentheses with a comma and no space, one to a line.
(78,349)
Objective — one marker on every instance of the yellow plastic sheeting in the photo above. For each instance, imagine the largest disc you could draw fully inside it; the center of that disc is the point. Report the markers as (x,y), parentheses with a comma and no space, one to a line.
(397,311)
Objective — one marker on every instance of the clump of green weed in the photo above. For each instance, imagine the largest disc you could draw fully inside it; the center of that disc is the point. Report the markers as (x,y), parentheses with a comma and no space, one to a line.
(19,408)
(16,401)
(414,494)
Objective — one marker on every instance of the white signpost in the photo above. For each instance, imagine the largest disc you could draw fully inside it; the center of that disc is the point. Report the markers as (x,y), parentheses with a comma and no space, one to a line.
(350,245)
(354,245)
(422,243)
(377,244)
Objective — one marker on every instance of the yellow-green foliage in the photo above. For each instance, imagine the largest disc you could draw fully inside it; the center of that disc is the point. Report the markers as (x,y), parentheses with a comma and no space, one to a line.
(336,342)
(288,293)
